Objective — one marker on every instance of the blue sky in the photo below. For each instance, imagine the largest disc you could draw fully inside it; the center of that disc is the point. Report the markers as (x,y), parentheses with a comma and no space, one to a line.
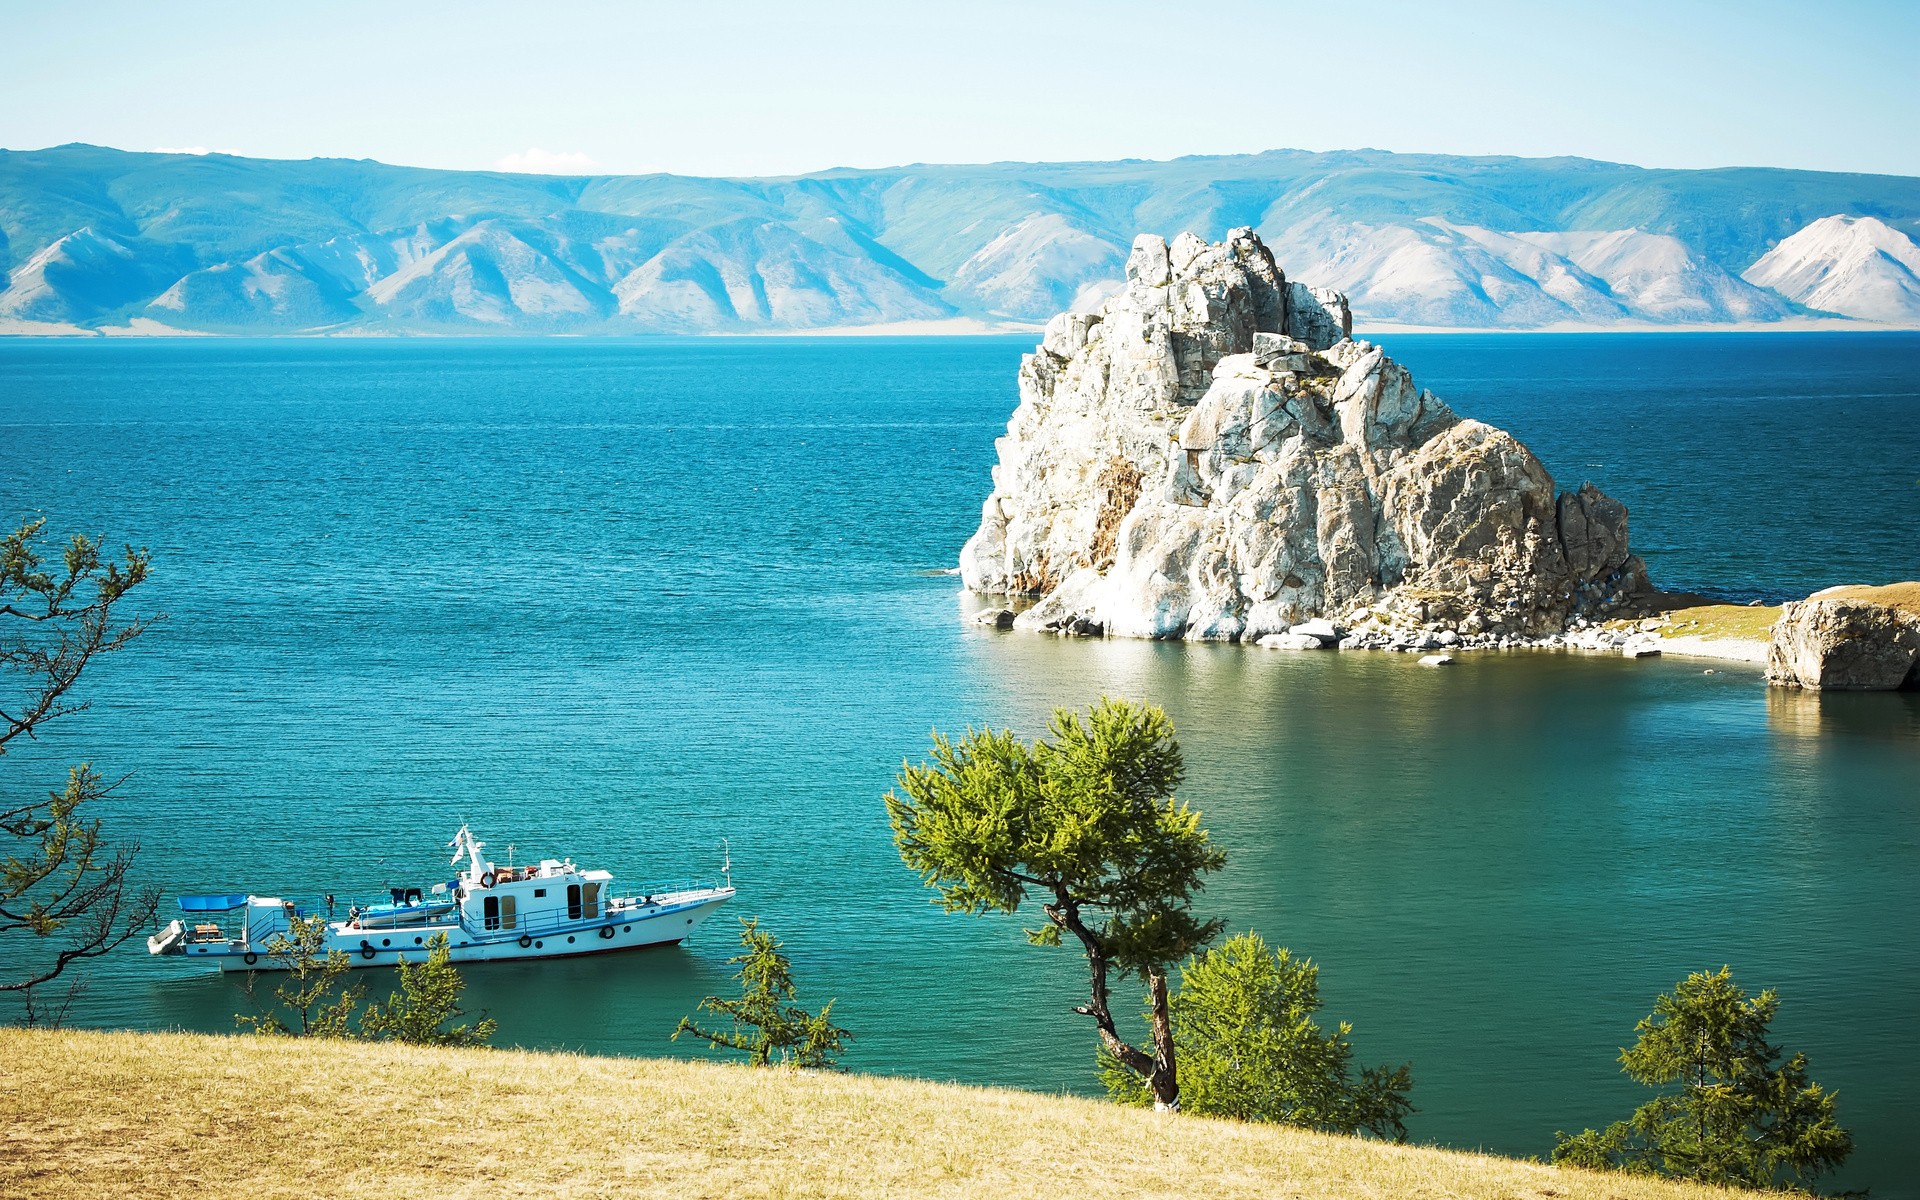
(760,88)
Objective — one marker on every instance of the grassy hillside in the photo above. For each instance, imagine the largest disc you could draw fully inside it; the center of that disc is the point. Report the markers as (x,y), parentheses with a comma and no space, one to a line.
(121,1114)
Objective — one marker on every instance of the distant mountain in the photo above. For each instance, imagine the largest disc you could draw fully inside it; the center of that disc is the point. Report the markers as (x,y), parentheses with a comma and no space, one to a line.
(1857,267)
(92,239)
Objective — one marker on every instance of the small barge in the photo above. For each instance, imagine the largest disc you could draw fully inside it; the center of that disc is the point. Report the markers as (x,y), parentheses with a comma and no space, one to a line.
(488,913)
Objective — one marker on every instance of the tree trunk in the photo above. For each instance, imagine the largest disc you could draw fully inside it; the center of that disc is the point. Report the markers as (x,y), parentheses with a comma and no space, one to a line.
(1164,1078)
(1158,1068)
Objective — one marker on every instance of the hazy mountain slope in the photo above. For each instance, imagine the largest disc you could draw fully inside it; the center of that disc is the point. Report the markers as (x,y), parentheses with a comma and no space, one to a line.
(81,276)
(225,243)
(1661,278)
(1856,267)
(751,274)
(498,274)
(1038,265)
(274,290)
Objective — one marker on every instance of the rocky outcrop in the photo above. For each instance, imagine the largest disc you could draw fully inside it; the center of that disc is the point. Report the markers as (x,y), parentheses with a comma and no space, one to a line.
(1211,456)
(1849,639)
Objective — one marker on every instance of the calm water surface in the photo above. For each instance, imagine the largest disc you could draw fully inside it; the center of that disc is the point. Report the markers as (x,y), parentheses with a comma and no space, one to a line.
(622,600)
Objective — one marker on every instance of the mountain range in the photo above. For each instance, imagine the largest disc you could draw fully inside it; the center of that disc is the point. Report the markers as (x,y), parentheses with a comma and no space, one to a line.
(95,239)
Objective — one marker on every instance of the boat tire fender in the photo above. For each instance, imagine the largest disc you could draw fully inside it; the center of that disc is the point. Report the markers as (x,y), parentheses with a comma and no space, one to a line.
(486,880)
(526,939)
(249,958)
(606,931)
(366,949)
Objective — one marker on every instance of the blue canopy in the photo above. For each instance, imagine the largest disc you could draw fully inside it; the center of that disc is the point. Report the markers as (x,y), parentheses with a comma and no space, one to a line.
(225,903)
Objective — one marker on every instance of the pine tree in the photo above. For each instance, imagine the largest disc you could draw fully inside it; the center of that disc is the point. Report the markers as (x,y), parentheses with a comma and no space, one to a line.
(61,883)
(1738,1115)
(1087,819)
(766,1023)
(427,1003)
(313,1001)
(1250,1048)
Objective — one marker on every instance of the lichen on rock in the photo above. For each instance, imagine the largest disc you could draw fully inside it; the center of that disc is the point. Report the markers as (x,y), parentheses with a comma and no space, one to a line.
(1212,456)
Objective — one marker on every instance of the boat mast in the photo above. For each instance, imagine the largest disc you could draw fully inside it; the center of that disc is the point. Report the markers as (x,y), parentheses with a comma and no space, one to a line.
(465,843)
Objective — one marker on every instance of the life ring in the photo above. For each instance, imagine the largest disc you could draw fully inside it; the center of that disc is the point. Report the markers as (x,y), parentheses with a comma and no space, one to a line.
(249,958)
(366,949)
(526,939)
(606,931)
(486,880)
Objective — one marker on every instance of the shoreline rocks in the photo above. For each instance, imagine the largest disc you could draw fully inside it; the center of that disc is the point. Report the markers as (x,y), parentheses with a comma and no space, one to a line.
(1212,457)
(1849,639)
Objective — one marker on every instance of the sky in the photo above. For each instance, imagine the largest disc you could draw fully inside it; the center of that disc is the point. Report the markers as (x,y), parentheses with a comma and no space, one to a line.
(751,88)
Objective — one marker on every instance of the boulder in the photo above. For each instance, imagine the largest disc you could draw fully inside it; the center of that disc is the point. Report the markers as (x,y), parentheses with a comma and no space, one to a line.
(1320,628)
(1212,457)
(1292,641)
(1436,660)
(1848,639)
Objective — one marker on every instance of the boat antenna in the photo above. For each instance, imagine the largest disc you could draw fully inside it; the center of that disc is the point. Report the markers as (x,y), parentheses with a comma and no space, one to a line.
(509,856)
(726,862)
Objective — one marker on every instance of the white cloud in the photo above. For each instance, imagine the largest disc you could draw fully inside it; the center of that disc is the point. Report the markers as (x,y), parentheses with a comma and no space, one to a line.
(535,161)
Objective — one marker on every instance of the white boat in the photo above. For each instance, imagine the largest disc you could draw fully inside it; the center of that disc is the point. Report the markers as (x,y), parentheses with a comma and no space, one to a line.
(488,913)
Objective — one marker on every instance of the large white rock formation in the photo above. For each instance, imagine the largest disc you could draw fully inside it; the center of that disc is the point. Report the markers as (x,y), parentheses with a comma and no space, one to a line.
(1211,456)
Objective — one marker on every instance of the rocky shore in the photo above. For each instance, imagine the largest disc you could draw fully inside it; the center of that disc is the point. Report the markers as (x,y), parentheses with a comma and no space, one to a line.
(1849,639)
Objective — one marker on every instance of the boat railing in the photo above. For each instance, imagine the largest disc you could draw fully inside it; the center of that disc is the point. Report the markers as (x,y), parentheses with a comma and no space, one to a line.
(669,887)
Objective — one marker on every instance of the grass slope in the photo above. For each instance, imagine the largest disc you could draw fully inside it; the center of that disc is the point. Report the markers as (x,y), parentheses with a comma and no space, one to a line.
(125,1114)
(1723,622)
(1903,596)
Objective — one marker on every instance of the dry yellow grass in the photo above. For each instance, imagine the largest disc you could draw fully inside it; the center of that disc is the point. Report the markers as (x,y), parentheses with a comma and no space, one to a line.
(1900,595)
(121,1114)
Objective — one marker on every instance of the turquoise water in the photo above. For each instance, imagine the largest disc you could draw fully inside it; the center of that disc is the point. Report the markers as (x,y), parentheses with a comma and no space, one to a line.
(622,600)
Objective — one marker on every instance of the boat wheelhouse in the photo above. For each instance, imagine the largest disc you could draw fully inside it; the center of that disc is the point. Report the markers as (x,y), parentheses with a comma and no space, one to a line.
(552,909)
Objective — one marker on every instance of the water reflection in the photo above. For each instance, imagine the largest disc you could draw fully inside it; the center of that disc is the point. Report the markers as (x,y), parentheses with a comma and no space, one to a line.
(1795,712)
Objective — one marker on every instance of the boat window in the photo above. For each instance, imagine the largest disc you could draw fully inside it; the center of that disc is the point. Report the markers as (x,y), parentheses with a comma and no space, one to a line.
(573,902)
(591,896)
(490,911)
(538,893)
(506,912)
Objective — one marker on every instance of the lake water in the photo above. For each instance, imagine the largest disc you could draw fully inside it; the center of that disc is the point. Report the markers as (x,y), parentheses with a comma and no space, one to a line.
(623,600)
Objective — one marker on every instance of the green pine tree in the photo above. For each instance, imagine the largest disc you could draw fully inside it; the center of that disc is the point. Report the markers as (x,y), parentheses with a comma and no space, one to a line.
(66,892)
(427,1003)
(315,1001)
(1087,821)
(1737,1115)
(766,1023)
(1250,1048)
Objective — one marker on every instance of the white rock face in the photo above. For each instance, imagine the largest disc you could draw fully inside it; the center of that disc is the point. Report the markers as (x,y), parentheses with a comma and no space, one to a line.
(1837,641)
(1854,266)
(1210,456)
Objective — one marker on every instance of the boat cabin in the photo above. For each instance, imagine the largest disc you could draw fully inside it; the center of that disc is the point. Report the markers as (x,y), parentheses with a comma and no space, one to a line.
(532,899)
